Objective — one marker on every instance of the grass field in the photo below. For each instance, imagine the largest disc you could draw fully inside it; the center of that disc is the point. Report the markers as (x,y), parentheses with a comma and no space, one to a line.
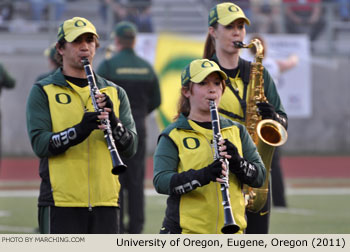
(310,209)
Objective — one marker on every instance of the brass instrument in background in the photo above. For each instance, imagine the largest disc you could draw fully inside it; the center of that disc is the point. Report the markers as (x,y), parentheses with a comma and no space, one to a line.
(266,134)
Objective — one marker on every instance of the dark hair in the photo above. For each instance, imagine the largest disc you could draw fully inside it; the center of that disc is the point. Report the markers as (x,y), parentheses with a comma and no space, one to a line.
(184,106)
(209,46)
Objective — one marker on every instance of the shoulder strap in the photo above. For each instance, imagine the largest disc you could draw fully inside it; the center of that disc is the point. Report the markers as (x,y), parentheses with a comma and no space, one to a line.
(244,66)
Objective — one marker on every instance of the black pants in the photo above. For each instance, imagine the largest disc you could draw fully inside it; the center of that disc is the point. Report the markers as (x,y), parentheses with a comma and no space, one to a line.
(277,183)
(78,220)
(131,197)
(258,223)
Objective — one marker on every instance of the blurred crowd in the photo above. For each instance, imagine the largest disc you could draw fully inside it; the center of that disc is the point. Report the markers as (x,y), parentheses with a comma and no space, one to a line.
(270,16)
(136,11)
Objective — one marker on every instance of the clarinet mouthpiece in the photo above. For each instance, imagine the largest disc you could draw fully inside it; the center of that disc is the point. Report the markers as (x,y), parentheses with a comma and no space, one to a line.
(85,61)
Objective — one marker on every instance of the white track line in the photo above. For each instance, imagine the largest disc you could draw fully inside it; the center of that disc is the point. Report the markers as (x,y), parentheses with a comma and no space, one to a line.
(152,192)
(295,211)
(318,191)
(15,229)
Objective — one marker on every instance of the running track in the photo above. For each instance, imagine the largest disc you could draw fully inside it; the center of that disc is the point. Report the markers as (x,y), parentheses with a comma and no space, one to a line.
(293,167)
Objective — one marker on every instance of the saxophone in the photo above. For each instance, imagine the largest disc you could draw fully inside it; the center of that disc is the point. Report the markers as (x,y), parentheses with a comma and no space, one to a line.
(266,134)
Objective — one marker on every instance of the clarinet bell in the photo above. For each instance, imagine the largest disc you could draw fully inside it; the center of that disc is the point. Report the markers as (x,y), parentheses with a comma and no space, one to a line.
(119,169)
(230,229)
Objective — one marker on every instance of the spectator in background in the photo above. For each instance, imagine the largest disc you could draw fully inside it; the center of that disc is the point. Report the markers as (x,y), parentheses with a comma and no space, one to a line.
(267,16)
(140,82)
(52,61)
(6,11)
(6,81)
(39,7)
(304,16)
(140,14)
(276,67)
(134,11)
(116,6)
(344,10)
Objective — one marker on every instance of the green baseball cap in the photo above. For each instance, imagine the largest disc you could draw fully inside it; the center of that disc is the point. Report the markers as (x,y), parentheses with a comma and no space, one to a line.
(198,70)
(73,28)
(225,14)
(125,30)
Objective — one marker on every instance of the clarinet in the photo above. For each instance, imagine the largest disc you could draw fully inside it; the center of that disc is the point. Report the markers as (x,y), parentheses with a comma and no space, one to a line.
(230,226)
(118,165)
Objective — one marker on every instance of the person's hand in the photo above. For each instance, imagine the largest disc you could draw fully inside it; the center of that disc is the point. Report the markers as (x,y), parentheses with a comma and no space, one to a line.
(229,151)
(120,132)
(244,170)
(214,170)
(105,103)
(61,141)
(266,110)
(89,122)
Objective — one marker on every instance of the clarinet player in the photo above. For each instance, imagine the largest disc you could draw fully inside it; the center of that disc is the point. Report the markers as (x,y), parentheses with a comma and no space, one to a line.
(184,165)
(78,192)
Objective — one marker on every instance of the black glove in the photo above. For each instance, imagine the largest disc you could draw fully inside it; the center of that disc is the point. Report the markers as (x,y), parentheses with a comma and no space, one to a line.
(120,133)
(244,170)
(61,141)
(109,104)
(88,123)
(187,181)
(266,110)
(235,159)
(212,171)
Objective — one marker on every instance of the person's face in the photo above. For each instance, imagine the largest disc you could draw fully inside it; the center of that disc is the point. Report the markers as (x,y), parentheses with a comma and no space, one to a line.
(200,93)
(225,36)
(83,46)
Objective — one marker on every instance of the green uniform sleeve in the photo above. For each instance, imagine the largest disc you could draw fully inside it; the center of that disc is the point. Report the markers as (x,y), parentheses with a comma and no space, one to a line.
(272,94)
(127,119)
(165,163)
(6,80)
(38,121)
(251,154)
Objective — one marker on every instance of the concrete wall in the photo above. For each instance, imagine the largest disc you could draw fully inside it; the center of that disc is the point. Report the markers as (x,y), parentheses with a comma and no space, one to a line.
(327,131)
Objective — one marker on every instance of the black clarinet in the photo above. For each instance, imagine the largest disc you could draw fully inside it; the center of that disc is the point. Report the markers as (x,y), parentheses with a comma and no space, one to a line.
(118,165)
(230,226)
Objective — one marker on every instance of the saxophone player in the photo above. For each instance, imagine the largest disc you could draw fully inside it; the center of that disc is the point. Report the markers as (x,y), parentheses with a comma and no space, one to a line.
(226,27)
(184,165)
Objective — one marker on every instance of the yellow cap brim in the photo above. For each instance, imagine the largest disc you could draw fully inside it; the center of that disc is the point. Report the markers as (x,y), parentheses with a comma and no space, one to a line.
(74,34)
(228,20)
(203,74)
